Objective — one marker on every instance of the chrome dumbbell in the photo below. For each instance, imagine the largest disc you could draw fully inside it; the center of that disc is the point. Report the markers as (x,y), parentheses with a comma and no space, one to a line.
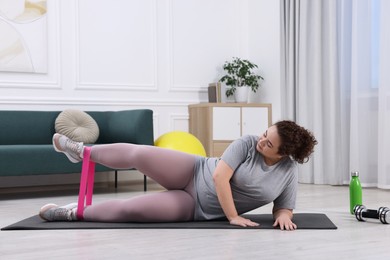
(362,213)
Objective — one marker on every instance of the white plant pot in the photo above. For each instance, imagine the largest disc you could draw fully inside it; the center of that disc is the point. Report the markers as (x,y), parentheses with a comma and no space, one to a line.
(241,94)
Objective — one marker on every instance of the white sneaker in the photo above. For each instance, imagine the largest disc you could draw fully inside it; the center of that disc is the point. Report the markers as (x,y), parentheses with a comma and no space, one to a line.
(51,212)
(72,149)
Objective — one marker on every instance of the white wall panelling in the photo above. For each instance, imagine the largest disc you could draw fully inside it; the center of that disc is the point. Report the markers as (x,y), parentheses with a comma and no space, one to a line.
(265,49)
(179,122)
(203,34)
(156,54)
(119,39)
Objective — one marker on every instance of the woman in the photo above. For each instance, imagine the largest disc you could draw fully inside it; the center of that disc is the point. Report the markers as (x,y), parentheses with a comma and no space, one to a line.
(252,172)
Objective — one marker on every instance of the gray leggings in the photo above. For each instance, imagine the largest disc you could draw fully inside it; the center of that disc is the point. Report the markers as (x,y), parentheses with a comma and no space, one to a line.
(171,169)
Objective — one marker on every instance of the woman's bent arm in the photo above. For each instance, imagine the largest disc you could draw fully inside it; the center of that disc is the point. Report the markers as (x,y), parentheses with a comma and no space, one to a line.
(222,175)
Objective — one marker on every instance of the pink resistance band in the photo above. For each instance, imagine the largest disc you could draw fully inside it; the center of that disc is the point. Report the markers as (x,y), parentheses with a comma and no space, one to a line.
(86,183)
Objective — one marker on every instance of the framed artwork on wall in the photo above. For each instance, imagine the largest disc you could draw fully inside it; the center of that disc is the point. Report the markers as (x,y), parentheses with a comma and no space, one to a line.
(23,30)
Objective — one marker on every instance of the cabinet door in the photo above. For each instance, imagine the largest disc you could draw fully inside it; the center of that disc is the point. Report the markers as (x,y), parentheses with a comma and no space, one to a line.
(254,120)
(226,123)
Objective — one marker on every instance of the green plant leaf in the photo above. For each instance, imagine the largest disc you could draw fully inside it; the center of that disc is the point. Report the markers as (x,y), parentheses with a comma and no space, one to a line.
(239,72)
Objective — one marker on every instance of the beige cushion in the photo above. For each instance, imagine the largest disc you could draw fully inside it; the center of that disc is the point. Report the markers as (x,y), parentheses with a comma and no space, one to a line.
(77,125)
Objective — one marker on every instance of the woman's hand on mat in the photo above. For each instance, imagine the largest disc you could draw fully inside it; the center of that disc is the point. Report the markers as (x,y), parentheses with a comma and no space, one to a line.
(283,219)
(243,222)
(284,222)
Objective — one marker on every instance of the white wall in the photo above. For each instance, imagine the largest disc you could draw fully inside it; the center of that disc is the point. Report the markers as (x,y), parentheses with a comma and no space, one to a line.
(265,50)
(157,54)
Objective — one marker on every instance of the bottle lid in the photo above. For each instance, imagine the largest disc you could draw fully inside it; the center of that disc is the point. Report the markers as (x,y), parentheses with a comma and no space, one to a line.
(355,174)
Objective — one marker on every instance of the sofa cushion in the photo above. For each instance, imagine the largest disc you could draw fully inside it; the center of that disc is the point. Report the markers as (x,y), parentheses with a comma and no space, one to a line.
(17,160)
(26,127)
(77,125)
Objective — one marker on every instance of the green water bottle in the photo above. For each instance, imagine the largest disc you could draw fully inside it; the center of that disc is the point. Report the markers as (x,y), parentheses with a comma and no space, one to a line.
(355,191)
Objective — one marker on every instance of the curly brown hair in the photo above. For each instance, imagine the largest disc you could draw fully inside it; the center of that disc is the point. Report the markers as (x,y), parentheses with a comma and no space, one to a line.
(296,141)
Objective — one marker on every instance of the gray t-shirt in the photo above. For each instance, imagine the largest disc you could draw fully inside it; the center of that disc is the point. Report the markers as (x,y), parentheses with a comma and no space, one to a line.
(254,184)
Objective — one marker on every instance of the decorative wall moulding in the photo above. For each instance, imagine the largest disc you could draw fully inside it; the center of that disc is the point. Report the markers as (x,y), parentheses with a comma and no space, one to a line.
(188,89)
(115,86)
(178,119)
(125,61)
(55,85)
(194,52)
(95,102)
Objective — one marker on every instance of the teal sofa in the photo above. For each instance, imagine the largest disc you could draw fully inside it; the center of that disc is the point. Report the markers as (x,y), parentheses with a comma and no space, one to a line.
(26,139)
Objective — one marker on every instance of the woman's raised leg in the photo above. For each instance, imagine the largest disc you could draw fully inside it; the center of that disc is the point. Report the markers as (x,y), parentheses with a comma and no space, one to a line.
(172,169)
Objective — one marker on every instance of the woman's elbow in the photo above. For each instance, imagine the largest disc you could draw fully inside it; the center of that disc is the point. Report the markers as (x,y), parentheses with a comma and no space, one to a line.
(216,178)
(219,178)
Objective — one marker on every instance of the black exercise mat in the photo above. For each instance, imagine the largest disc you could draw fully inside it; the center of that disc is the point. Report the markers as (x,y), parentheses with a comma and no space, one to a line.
(302,220)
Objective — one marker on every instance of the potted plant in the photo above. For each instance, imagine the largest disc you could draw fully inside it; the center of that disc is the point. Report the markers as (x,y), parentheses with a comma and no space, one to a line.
(240,75)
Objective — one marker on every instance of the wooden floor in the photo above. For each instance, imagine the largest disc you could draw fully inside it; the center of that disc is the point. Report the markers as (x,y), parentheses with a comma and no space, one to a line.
(352,239)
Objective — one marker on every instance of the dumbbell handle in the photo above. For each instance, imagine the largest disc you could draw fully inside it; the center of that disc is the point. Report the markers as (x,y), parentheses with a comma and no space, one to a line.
(370,213)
